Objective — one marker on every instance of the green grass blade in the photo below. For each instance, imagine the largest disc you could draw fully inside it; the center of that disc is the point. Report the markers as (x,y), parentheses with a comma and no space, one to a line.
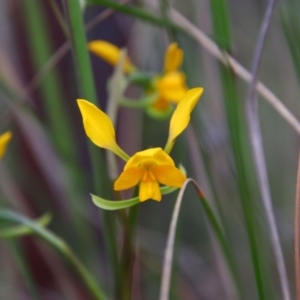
(21,230)
(86,85)
(237,134)
(51,89)
(237,130)
(101,184)
(220,16)
(168,256)
(291,28)
(61,246)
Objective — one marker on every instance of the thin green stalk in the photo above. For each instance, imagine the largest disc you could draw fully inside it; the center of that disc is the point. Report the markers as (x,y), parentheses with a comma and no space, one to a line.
(207,160)
(60,245)
(237,134)
(128,252)
(220,17)
(291,28)
(168,257)
(86,85)
(297,233)
(21,230)
(127,261)
(221,22)
(87,91)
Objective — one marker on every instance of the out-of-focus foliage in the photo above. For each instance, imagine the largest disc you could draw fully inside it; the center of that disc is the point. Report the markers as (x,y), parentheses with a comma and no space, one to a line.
(51,167)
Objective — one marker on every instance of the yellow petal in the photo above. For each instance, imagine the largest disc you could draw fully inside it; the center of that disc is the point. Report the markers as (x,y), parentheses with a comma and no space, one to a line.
(128,179)
(173,58)
(4,140)
(168,175)
(157,155)
(181,116)
(149,190)
(172,86)
(99,128)
(110,53)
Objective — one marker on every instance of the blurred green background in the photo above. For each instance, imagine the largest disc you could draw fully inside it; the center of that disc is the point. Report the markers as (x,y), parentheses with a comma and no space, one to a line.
(49,167)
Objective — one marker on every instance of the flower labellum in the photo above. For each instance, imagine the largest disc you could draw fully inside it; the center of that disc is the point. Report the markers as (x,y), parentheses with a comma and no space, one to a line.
(149,168)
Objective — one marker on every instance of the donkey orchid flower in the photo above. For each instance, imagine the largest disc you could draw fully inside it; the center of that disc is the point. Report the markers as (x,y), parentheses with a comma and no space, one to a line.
(150,167)
(171,85)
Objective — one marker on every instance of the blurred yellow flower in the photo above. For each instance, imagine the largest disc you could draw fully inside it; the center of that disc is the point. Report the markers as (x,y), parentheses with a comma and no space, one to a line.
(147,168)
(4,140)
(171,85)
(173,58)
(110,53)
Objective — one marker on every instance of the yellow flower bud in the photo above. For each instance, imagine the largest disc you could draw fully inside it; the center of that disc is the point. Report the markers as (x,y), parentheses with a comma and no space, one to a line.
(110,53)
(4,140)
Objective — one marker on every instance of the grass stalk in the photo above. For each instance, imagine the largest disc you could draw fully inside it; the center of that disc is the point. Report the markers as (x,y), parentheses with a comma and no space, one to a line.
(169,250)
(237,134)
(237,129)
(87,91)
(297,234)
(258,152)
(60,245)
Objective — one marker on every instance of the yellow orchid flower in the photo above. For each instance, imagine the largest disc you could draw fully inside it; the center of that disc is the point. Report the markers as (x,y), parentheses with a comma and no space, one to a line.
(110,53)
(171,85)
(150,167)
(4,140)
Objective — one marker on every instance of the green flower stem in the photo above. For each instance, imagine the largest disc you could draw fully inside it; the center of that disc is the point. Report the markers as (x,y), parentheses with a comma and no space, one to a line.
(59,245)
(128,251)
(21,230)
(140,103)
